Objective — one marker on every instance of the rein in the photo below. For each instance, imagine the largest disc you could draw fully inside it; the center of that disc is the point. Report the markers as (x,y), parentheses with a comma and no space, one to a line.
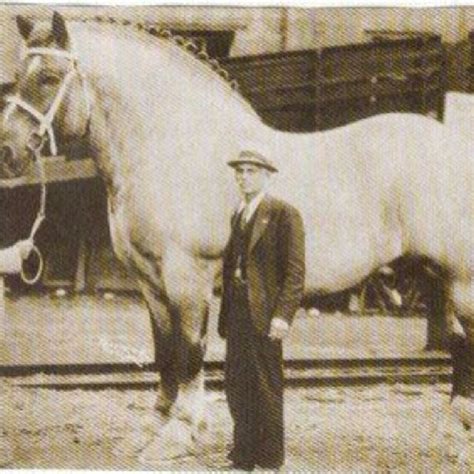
(36,140)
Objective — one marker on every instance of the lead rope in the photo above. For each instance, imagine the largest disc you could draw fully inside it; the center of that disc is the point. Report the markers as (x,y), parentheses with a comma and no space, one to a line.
(35,146)
(36,141)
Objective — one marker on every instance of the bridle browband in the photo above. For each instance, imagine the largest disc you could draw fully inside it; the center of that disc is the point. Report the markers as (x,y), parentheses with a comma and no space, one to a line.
(45,121)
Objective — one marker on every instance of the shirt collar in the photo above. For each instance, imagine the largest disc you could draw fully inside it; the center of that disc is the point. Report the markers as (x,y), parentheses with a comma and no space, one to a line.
(252,205)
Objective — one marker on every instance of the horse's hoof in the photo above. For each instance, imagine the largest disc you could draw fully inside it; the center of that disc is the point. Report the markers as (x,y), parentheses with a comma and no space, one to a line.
(6,452)
(175,441)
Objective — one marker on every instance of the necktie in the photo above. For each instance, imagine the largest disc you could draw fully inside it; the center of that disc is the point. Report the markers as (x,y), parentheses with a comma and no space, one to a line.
(244,216)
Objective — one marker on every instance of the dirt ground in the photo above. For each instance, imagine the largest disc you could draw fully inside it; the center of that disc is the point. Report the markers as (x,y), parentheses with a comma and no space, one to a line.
(383,428)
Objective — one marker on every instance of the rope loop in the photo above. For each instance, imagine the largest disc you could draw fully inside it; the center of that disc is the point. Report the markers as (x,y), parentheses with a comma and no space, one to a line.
(31,280)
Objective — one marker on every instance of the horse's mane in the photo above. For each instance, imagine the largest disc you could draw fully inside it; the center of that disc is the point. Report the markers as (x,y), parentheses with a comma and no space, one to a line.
(192,54)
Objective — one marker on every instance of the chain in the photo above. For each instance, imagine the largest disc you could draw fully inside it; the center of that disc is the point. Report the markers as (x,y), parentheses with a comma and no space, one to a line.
(188,44)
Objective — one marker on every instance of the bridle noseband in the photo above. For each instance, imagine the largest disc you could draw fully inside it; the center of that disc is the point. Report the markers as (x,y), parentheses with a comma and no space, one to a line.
(45,121)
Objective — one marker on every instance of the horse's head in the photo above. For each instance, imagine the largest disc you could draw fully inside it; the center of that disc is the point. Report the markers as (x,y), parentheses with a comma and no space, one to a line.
(50,100)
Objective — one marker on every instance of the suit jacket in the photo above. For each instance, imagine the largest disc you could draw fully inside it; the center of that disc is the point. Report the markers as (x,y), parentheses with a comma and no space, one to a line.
(275,266)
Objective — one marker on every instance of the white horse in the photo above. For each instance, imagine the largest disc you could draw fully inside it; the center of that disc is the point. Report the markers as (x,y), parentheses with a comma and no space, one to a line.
(162,126)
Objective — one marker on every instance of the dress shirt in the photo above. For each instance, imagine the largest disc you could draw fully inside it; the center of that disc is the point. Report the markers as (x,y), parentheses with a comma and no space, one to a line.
(250,208)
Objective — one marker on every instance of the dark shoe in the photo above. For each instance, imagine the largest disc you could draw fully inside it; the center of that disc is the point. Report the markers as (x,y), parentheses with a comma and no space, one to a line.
(241,460)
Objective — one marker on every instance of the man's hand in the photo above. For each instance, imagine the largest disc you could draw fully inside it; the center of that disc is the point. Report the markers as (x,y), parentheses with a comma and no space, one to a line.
(278,329)
(24,248)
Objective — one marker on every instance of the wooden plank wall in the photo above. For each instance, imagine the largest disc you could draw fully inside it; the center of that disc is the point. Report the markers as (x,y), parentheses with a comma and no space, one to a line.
(324,88)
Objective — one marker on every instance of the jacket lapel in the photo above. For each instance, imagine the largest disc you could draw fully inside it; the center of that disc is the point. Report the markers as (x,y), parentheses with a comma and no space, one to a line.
(262,218)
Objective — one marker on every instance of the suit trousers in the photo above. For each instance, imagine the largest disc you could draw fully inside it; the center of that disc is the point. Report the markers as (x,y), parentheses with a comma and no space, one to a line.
(254,388)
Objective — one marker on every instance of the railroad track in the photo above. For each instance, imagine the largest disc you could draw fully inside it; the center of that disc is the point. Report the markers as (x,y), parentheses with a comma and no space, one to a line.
(299,372)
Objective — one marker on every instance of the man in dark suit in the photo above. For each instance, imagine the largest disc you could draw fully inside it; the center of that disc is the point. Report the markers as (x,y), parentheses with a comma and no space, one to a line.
(263,283)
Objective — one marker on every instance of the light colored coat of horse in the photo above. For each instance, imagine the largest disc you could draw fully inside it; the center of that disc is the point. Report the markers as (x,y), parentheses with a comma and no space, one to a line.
(163,127)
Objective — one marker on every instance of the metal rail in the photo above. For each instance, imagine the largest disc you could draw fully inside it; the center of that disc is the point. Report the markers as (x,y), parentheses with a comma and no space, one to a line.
(300,372)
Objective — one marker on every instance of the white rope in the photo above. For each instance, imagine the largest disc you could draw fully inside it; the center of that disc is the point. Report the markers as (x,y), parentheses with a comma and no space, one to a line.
(45,122)
(34,279)
(59,53)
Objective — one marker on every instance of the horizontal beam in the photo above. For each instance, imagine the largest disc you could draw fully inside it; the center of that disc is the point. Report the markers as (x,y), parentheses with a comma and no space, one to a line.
(57,169)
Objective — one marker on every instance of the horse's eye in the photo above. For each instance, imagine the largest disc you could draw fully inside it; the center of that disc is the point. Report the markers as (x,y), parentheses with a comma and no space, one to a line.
(49,80)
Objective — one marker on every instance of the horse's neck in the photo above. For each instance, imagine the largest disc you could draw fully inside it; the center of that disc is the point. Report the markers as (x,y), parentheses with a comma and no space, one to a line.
(149,100)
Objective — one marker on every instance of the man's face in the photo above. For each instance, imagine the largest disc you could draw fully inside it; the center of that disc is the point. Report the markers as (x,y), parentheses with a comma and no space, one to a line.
(251,179)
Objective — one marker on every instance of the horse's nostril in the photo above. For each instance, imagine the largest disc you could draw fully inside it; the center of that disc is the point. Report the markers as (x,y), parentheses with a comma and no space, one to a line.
(7,154)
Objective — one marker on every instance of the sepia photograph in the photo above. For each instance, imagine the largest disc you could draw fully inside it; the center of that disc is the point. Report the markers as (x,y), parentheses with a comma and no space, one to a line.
(237,238)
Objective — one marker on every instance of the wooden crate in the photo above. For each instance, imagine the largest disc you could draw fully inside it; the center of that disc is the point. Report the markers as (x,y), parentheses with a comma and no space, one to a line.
(319,89)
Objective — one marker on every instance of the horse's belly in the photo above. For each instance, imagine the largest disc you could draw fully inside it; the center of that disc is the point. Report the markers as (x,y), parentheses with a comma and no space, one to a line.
(345,259)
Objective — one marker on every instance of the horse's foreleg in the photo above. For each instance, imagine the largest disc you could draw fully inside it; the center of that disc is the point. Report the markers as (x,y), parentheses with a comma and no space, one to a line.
(190,404)
(164,348)
(163,344)
(188,289)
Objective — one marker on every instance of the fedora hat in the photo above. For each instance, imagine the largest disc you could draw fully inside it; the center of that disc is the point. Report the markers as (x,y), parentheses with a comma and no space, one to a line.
(252,157)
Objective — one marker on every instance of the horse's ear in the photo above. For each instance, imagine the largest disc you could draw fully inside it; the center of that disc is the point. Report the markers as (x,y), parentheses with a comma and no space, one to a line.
(25,26)
(60,31)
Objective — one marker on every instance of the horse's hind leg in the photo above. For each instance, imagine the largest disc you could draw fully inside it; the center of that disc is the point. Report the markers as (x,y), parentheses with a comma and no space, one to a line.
(462,352)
